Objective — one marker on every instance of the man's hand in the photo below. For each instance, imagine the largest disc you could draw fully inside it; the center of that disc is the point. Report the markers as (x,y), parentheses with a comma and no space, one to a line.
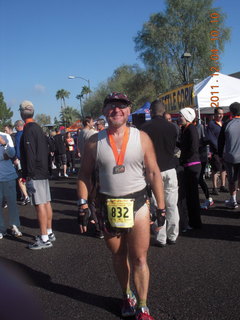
(160,216)
(83,217)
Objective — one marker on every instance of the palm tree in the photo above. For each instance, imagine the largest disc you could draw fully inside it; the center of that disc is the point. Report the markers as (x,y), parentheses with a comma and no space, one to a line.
(85,90)
(79,97)
(69,115)
(62,94)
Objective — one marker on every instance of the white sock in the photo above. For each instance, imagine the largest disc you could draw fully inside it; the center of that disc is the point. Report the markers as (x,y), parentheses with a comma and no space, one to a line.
(233,198)
(44,237)
(49,231)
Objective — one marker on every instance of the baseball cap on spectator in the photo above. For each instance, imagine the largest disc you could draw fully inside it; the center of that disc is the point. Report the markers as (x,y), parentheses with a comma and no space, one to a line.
(26,106)
(188,113)
(116,96)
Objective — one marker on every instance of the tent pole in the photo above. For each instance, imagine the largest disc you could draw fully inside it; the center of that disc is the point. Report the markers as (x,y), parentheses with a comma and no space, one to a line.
(199,114)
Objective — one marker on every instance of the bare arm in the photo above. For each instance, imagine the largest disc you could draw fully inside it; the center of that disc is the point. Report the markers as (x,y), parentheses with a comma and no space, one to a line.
(152,170)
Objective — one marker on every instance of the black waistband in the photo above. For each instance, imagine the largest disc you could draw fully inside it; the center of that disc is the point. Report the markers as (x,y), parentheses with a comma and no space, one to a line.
(133,195)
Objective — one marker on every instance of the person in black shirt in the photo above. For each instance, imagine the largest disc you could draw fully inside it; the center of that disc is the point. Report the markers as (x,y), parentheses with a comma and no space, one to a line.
(189,145)
(34,161)
(60,152)
(164,136)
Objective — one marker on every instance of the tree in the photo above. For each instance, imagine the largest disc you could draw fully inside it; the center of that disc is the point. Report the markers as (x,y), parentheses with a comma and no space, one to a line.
(86,91)
(42,119)
(62,94)
(184,27)
(80,97)
(137,83)
(68,116)
(5,112)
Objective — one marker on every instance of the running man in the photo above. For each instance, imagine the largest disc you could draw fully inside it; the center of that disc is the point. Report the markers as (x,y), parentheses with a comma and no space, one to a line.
(121,155)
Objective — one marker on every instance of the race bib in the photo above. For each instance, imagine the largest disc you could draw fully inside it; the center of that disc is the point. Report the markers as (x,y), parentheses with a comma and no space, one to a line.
(120,212)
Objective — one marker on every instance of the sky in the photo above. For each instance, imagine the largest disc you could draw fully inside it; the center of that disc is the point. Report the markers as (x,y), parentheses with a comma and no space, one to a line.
(45,41)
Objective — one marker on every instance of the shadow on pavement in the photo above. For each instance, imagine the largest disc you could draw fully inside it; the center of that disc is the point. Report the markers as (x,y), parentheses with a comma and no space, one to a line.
(214,231)
(43,280)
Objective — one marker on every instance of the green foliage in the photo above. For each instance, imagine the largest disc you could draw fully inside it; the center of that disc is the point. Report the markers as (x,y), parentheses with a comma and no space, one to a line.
(85,90)
(5,113)
(184,27)
(68,116)
(42,119)
(62,94)
(136,83)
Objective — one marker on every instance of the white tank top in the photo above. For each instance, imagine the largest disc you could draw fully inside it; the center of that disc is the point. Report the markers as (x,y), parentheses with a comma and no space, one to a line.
(133,179)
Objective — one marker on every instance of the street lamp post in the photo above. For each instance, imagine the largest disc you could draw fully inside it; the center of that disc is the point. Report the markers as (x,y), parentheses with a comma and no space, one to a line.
(78,77)
(80,98)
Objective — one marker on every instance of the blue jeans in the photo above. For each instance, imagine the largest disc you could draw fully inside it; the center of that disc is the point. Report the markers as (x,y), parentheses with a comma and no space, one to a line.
(8,193)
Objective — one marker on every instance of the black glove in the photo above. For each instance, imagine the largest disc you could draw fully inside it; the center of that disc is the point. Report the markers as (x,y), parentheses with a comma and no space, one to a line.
(83,216)
(161,217)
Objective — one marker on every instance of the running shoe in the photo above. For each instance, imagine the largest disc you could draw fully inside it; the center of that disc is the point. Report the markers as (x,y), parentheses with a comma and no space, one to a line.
(143,314)
(231,205)
(15,232)
(187,228)
(223,189)
(25,201)
(215,192)
(129,306)
(2,234)
(39,244)
(4,204)
(208,203)
(51,237)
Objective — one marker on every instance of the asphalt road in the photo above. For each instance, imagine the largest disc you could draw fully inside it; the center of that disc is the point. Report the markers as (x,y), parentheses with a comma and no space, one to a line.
(196,279)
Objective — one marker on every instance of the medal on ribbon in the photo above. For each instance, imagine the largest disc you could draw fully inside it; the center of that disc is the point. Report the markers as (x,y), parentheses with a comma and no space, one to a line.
(119,157)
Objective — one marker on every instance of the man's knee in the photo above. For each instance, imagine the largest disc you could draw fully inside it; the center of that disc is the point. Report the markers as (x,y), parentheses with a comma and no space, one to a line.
(139,260)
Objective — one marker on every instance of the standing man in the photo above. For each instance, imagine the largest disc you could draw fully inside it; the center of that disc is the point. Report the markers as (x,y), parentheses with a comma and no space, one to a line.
(60,151)
(229,150)
(87,131)
(34,160)
(100,124)
(121,154)
(213,131)
(19,124)
(8,185)
(164,136)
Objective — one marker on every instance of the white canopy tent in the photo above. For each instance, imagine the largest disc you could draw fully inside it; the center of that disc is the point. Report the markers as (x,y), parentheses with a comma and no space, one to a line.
(218,90)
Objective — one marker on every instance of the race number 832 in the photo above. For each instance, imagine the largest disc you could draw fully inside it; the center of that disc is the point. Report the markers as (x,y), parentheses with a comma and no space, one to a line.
(120,212)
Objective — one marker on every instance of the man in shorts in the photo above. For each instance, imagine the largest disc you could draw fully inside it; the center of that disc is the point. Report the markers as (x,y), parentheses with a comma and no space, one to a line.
(60,151)
(229,150)
(34,161)
(213,131)
(122,154)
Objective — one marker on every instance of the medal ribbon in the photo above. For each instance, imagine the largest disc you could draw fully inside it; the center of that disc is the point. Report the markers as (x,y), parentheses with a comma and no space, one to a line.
(119,157)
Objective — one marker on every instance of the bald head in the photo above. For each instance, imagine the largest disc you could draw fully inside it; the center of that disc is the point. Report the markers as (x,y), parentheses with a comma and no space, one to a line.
(157,108)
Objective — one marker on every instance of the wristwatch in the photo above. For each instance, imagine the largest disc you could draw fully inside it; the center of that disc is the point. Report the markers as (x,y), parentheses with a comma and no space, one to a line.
(81,202)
